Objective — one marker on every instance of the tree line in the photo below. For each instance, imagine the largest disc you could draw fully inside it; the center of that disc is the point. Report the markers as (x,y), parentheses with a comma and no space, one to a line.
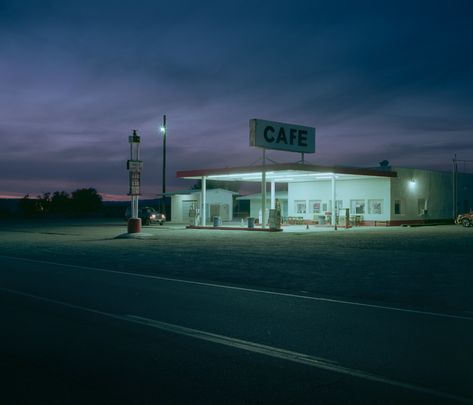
(84,201)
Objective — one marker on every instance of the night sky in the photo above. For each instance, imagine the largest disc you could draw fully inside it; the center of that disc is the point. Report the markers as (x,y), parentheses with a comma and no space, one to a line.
(379,80)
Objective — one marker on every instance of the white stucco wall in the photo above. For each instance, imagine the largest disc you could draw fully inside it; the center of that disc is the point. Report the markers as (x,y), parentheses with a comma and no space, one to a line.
(370,188)
(176,206)
(217,196)
(213,196)
(255,202)
(255,206)
(431,191)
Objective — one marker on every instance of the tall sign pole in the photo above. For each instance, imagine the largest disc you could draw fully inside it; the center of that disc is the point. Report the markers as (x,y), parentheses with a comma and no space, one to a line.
(279,136)
(134,166)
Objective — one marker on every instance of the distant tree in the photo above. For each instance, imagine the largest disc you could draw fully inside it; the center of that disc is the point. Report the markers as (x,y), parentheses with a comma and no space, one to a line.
(30,207)
(384,164)
(44,203)
(60,203)
(86,201)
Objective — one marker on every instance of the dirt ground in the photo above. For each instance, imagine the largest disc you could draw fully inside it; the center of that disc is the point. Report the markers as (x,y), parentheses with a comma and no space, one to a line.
(428,268)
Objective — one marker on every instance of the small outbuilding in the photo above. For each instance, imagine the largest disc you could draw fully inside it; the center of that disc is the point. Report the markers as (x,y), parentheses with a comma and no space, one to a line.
(186,205)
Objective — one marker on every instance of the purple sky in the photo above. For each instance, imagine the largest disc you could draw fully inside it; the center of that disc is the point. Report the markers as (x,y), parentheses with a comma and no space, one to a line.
(379,80)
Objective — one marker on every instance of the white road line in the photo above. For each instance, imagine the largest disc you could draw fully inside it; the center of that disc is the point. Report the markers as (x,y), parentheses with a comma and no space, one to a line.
(270,351)
(252,290)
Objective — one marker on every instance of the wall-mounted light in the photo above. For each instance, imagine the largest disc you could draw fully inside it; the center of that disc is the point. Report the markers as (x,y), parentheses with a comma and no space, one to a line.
(412,182)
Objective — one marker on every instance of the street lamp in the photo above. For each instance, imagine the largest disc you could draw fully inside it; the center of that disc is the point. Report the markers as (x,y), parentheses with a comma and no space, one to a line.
(163,131)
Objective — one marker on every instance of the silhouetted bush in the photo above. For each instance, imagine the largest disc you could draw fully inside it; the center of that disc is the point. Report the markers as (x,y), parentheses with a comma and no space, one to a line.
(86,201)
(32,208)
(61,203)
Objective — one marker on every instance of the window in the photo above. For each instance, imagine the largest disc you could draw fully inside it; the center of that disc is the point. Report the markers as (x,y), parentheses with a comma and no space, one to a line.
(357,206)
(300,206)
(315,206)
(327,207)
(397,207)
(375,206)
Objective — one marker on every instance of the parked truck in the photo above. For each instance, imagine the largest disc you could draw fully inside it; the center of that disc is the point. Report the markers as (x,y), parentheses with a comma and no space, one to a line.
(465,219)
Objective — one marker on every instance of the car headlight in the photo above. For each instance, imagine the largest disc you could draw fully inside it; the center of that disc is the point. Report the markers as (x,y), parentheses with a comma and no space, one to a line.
(153,216)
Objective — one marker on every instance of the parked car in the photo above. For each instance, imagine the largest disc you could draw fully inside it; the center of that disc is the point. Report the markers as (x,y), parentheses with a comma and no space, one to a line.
(465,219)
(148,215)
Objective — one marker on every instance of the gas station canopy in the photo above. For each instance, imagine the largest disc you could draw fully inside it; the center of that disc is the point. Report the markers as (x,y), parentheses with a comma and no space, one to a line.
(285,172)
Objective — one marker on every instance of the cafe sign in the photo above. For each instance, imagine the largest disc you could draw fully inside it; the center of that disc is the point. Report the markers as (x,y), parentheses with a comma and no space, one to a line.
(282,136)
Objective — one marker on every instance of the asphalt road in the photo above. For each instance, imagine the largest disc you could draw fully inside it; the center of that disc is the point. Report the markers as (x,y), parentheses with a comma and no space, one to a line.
(75,334)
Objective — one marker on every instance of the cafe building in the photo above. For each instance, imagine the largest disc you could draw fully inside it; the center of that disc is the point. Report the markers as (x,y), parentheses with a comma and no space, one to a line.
(337,195)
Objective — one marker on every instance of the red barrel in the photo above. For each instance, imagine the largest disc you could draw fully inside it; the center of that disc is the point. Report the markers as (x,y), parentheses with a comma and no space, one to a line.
(134,225)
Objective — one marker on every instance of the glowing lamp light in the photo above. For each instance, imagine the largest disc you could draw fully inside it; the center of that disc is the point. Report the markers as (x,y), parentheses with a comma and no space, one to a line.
(162,129)
(412,183)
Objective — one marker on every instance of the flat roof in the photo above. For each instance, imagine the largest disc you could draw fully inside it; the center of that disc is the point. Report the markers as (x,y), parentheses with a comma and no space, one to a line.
(284,172)
(194,191)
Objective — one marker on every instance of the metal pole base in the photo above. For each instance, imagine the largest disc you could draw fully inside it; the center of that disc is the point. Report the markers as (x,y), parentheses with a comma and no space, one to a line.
(134,225)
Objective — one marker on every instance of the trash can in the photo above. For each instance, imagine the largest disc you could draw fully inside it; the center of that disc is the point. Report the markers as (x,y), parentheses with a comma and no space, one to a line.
(217,221)
(251,222)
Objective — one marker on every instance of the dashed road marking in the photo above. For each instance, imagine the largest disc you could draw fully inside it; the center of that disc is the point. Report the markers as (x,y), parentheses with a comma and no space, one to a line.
(261,349)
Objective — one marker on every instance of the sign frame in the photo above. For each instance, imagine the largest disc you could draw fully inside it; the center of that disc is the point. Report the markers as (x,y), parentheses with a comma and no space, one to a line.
(282,136)
(134,165)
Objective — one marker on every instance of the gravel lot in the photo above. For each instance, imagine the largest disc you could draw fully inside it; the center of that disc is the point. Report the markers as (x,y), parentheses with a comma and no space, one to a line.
(428,268)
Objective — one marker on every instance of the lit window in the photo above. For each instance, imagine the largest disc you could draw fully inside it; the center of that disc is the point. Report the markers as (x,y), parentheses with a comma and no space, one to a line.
(315,206)
(357,206)
(300,206)
(375,206)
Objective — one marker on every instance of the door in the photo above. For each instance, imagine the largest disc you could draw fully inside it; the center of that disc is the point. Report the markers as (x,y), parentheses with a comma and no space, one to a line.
(214,210)
(225,212)
(187,206)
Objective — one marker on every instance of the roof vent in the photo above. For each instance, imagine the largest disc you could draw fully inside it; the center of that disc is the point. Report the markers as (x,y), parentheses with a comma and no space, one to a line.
(384,164)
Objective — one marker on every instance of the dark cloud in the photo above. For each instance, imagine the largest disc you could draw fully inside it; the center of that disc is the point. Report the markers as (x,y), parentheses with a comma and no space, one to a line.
(378,79)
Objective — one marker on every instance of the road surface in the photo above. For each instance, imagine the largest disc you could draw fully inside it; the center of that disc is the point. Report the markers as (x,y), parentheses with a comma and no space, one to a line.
(76,334)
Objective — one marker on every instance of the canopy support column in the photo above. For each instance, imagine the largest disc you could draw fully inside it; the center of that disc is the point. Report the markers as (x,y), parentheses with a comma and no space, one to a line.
(263,192)
(334,216)
(204,201)
(273,195)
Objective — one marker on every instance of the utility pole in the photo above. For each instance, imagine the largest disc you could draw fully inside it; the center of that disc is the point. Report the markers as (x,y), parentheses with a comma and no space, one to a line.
(164,132)
(455,186)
